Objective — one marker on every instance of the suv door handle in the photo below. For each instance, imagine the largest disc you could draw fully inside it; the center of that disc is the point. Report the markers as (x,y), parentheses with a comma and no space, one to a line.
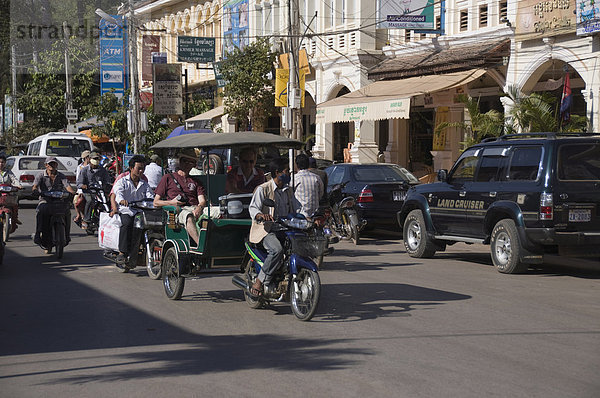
(492,194)
(462,194)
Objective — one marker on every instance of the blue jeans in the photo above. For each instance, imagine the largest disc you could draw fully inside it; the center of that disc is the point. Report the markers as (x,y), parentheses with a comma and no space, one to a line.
(274,249)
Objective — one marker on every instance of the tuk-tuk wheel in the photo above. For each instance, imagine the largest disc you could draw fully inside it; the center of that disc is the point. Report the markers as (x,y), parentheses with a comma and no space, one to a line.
(172,281)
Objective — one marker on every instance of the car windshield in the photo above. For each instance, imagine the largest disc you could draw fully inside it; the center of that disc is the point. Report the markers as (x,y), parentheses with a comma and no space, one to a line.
(66,147)
(370,173)
(36,164)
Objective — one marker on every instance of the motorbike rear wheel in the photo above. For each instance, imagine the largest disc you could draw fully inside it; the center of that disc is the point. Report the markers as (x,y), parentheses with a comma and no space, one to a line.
(350,231)
(59,239)
(154,266)
(250,277)
(172,281)
(305,294)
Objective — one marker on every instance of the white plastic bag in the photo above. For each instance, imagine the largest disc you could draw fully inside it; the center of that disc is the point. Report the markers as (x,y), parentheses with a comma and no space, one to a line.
(108,232)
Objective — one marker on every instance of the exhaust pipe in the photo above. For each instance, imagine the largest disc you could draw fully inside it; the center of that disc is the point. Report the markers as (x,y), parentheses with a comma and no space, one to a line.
(240,282)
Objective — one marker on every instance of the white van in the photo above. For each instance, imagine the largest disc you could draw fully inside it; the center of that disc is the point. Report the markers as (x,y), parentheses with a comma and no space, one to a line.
(67,147)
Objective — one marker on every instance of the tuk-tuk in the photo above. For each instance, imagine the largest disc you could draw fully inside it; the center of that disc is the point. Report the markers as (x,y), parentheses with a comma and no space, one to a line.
(221,244)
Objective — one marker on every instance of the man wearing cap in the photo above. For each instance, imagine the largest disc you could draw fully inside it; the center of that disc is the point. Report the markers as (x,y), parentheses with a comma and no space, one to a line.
(92,174)
(154,171)
(180,190)
(49,180)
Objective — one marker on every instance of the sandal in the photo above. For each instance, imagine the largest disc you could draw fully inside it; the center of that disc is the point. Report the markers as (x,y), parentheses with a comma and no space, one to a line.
(255,290)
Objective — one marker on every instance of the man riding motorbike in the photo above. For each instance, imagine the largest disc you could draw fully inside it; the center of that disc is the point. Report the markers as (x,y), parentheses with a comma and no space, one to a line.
(8,178)
(50,180)
(90,174)
(263,229)
(129,189)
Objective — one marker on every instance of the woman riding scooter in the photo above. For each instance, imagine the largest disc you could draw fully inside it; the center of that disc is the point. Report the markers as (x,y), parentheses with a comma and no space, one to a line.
(8,178)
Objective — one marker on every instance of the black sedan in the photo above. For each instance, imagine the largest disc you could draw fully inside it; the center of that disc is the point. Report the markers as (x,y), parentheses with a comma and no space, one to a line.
(379,189)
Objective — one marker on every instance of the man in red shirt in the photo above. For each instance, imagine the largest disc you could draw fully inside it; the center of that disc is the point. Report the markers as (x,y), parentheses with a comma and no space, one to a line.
(180,190)
(245,177)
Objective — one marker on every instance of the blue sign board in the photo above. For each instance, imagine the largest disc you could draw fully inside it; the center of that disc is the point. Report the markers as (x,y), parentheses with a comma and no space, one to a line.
(113,56)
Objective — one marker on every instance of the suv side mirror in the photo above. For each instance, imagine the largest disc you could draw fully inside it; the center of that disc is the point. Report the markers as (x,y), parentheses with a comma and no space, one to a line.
(442,175)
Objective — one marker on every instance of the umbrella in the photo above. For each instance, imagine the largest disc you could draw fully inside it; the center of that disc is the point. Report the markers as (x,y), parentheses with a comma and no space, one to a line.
(177,131)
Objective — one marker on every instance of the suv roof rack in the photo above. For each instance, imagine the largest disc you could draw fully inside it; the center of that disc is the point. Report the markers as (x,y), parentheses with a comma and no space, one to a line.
(538,135)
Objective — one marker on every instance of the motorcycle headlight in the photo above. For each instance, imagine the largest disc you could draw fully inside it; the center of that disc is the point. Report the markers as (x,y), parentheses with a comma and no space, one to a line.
(5,188)
(234,207)
(298,223)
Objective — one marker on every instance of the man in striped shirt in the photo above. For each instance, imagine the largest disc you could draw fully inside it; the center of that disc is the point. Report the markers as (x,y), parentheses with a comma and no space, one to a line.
(308,187)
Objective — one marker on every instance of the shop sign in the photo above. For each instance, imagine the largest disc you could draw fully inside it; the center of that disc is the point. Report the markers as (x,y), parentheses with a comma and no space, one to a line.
(588,17)
(195,49)
(407,14)
(168,93)
(545,18)
(150,45)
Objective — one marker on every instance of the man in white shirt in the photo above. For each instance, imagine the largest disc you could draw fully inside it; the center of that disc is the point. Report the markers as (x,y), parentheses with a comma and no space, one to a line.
(308,187)
(154,171)
(129,189)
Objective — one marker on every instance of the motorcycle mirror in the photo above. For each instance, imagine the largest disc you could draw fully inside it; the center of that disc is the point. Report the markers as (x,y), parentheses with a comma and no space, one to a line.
(269,202)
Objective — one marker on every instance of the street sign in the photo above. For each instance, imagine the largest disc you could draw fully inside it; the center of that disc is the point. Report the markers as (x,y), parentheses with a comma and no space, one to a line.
(71,114)
(195,49)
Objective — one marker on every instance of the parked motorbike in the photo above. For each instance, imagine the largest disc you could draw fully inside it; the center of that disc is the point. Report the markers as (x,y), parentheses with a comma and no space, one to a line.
(344,220)
(100,203)
(297,279)
(8,199)
(152,223)
(58,205)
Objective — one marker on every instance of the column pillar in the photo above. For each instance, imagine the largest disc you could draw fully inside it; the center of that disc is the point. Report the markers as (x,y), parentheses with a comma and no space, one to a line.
(365,148)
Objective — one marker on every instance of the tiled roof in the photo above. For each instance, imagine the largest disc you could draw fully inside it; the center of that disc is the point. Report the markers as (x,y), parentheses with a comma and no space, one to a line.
(443,60)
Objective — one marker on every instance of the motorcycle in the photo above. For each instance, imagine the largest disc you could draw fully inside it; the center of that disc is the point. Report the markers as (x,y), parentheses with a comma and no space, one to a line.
(58,205)
(152,223)
(344,220)
(8,199)
(100,203)
(297,279)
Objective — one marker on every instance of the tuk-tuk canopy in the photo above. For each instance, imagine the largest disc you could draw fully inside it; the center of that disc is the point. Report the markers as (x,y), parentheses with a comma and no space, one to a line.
(228,140)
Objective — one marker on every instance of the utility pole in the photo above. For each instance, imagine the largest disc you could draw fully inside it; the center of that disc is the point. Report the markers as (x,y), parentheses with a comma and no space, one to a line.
(68,93)
(133,78)
(293,83)
(13,102)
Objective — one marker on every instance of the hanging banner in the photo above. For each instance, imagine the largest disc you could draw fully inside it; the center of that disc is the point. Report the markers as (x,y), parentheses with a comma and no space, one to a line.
(150,44)
(406,14)
(439,137)
(168,93)
(281,81)
(235,25)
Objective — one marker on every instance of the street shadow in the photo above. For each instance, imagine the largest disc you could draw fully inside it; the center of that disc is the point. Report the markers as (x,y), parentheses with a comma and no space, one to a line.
(359,302)
(352,302)
(59,314)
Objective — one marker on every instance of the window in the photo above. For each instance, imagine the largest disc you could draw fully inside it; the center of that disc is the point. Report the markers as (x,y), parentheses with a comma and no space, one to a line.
(336,176)
(491,164)
(579,162)
(66,147)
(483,16)
(464,170)
(464,20)
(381,173)
(525,163)
(503,11)
(406,35)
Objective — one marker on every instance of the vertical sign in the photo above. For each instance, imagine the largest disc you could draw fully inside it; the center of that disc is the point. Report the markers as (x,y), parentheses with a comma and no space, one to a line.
(168,93)
(235,25)
(113,56)
(150,44)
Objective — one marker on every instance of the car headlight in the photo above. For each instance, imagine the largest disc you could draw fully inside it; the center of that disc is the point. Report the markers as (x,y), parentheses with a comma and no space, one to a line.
(235,207)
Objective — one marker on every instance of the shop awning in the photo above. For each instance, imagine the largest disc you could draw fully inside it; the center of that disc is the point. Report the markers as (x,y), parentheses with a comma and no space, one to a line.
(389,99)
(208,115)
(96,139)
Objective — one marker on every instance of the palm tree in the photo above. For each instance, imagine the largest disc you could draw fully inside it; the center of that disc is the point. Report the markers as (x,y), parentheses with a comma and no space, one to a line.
(529,113)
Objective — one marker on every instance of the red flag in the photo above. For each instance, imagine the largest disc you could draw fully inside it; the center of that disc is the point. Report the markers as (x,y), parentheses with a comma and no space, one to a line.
(565,102)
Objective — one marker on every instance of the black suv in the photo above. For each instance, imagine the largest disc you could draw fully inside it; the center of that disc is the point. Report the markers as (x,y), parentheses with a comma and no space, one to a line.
(524,194)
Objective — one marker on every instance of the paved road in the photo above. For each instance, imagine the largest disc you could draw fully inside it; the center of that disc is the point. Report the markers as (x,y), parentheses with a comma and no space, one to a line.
(388,326)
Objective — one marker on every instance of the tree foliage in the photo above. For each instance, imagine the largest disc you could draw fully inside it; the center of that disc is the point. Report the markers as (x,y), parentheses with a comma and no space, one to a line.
(248,93)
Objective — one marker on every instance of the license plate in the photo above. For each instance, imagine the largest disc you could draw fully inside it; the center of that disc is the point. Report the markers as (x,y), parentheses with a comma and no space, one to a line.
(579,215)
(399,195)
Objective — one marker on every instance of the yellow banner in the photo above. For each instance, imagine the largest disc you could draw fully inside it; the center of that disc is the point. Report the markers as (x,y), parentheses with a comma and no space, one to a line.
(439,138)
(302,58)
(281,81)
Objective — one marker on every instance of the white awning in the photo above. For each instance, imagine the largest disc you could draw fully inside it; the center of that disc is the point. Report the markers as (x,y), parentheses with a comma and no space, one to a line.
(208,115)
(389,99)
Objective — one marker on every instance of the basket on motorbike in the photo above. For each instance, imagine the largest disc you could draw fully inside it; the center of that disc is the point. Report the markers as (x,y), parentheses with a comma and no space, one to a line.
(309,246)
(152,218)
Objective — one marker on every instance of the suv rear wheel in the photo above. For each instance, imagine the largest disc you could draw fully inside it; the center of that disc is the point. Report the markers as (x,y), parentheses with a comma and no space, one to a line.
(416,241)
(506,248)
